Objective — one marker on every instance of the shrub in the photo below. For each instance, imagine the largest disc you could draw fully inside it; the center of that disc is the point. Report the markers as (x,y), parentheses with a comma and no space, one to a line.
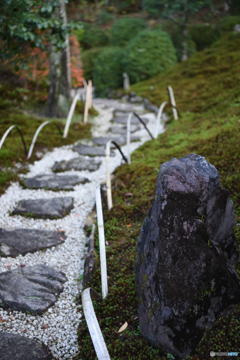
(152,7)
(149,53)
(203,35)
(88,58)
(108,69)
(227,23)
(92,36)
(104,17)
(125,29)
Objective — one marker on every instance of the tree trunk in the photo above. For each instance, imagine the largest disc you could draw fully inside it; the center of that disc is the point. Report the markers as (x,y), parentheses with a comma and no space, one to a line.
(59,73)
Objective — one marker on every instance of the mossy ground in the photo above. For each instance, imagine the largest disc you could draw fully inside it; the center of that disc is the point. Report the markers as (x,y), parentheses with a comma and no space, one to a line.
(13,104)
(207,89)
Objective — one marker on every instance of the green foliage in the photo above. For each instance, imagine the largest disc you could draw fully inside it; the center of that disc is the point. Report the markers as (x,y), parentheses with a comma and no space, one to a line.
(171,7)
(227,23)
(125,29)
(104,17)
(203,35)
(108,69)
(26,23)
(92,36)
(88,60)
(234,6)
(125,6)
(149,53)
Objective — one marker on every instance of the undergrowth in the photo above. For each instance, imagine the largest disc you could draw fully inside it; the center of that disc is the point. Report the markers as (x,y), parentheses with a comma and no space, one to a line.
(208,95)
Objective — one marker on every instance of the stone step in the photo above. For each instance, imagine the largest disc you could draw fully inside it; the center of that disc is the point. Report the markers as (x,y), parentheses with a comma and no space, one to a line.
(102,140)
(31,289)
(122,129)
(89,150)
(17,347)
(53,208)
(22,241)
(78,164)
(122,119)
(53,182)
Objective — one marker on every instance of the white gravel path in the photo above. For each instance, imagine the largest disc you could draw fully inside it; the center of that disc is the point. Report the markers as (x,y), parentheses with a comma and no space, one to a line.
(57,327)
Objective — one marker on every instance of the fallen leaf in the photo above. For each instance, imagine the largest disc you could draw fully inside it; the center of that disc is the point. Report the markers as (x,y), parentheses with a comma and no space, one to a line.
(123,327)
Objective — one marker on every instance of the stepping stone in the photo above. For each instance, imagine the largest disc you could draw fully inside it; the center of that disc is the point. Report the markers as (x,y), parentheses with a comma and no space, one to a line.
(53,182)
(123,120)
(22,241)
(102,140)
(44,208)
(78,163)
(90,150)
(30,289)
(17,347)
(122,130)
(133,138)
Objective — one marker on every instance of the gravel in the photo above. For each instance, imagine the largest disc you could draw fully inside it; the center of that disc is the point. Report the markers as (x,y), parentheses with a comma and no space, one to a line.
(57,327)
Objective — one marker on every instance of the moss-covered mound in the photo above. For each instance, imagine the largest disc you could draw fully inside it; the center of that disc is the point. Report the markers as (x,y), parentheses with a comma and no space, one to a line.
(208,95)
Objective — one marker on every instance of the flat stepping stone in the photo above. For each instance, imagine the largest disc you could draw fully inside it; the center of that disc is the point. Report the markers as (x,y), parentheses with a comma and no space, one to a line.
(22,241)
(53,182)
(123,120)
(102,140)
(54,208)
(78,163)
(90,150)
(30,289)
(17,347)
(122,130)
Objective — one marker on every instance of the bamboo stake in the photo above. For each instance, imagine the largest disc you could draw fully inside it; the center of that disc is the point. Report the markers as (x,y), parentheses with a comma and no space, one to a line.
(159,117)
(93,326)
(88,101)
(129,137)
(108,175)
(173,102)
(70,115)
(102,247)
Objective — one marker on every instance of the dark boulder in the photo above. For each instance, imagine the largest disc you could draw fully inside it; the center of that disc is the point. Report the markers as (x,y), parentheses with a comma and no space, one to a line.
(186,256)
(17,347)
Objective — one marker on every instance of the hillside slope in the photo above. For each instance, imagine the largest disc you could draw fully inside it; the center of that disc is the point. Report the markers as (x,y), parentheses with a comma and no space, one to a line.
(207,89)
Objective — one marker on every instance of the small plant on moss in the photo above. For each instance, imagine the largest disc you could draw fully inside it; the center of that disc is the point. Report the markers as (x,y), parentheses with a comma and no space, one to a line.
(149,53)
(108,69)
(203,35)
(125,29)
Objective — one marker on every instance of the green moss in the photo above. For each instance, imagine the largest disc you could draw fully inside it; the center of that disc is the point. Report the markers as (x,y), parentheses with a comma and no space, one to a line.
(207,93)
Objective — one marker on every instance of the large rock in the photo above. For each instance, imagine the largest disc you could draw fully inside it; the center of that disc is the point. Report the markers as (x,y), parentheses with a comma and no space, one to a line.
(17,347)
(79,163)
(44,208)
(23,241)
(186,256)
(30,289)
(53,182)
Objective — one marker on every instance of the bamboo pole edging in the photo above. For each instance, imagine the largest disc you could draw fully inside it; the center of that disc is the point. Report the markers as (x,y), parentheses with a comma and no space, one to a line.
(129,137)
(70,114)
(7,132)
(144,125)
(173,102)
(102,247)
(93,326)
(158,118)
(108,175)
(37,134)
